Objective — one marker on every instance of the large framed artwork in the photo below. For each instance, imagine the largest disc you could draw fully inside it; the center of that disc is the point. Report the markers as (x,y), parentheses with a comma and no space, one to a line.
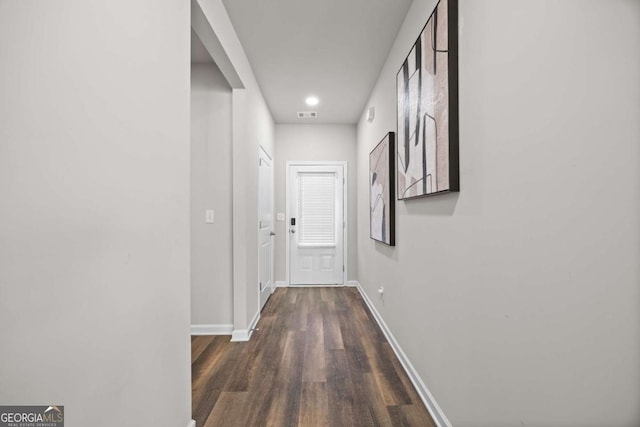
(427,89)
(381,191)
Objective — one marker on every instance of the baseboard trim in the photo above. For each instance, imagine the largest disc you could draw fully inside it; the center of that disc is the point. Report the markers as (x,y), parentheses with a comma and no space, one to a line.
(349,284)
(427,398)
(245,334)
(222,329)
(192,423)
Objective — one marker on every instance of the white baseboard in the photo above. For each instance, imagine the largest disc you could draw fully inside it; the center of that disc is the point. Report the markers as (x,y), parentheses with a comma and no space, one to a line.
(223,329)
(245,334)
(283,284)
(239,335)
(316,286)
(192,423)
(427,398)
(337,285)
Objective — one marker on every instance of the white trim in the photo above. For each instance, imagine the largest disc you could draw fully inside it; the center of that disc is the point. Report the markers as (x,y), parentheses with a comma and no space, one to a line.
(203,329)
(318,286)
(240,335)
(245,334)
(427,398)
(353,283)
(281,284)
(286,223)
(192,423)
(345,196)
(272,243)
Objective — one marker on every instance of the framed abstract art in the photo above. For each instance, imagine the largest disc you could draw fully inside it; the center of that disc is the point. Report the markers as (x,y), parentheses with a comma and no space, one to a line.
(427,97)
(382,199)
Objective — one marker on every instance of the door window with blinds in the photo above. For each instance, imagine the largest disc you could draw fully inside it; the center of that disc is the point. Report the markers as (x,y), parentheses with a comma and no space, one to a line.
(317,209)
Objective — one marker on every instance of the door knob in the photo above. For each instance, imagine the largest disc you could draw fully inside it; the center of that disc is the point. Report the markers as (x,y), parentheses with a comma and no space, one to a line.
(272,234)
(292,231)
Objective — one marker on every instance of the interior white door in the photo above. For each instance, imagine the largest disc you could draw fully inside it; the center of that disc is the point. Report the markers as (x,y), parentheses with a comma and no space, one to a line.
(316,224)
(265,227)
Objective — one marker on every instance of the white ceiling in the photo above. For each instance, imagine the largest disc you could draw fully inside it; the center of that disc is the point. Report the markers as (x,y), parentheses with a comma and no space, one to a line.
(333,49)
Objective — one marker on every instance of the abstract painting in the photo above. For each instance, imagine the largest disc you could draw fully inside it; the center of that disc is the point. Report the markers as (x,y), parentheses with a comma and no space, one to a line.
(381,191)
(427,89)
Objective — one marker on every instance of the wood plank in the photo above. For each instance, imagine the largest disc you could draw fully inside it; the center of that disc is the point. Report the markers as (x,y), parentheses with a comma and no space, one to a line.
(314,405)
(340,391)
(410,415)
(314,368)
(298,316)
(285,401)
(198,344)
(205,364)
(332,334)
(230,410)
(392,388)
(213,383)
(414,398)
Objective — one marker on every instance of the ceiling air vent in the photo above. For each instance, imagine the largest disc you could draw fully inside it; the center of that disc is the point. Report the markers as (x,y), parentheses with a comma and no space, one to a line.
(307,114)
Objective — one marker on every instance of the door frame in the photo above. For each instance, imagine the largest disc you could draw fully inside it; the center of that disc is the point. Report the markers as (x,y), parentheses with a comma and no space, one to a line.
(345,229)
(262,150)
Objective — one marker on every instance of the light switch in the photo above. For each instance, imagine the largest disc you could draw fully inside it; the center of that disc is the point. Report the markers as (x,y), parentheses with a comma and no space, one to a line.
(210,217)
(280,216)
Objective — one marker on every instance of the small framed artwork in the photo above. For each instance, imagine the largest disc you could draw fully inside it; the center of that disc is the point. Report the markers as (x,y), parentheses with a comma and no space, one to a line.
(381,191)
(427,96)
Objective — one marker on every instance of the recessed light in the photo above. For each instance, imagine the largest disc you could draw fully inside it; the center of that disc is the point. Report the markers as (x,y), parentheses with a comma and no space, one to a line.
(311,101)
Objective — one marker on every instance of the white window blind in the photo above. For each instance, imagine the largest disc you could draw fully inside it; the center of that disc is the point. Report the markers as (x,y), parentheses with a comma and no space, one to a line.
(317,209)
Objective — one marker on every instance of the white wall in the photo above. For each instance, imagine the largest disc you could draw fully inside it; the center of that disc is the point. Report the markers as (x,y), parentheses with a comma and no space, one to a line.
(94,226)
(518,299)
(211,244)
(314,143)
(252,126)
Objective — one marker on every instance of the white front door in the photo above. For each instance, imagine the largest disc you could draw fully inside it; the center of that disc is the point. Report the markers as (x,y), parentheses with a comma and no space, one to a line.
(265,227)
(316,224)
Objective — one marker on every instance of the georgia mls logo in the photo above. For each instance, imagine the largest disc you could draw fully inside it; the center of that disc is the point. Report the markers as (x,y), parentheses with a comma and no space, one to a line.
(32,416)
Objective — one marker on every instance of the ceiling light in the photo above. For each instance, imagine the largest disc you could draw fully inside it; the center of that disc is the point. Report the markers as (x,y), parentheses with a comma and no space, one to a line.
(311,101)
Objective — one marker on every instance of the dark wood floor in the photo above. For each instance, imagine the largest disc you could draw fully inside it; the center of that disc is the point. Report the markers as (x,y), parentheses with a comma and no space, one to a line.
(317,359)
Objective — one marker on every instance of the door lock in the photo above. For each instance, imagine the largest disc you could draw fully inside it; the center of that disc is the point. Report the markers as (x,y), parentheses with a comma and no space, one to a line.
(292,231)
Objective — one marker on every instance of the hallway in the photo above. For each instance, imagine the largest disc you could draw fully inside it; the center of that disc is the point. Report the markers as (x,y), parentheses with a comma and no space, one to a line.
(318,358)
(130,136)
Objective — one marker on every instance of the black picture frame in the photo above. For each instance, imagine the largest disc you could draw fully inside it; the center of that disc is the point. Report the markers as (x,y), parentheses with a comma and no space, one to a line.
(427,149)
(382,199)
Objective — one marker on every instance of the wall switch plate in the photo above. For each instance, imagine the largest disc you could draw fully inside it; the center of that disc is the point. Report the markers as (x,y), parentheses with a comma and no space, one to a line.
(280,216)
(210,216)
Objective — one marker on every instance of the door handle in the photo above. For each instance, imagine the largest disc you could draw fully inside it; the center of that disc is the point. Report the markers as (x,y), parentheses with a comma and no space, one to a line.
(272,234)
(292,231)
